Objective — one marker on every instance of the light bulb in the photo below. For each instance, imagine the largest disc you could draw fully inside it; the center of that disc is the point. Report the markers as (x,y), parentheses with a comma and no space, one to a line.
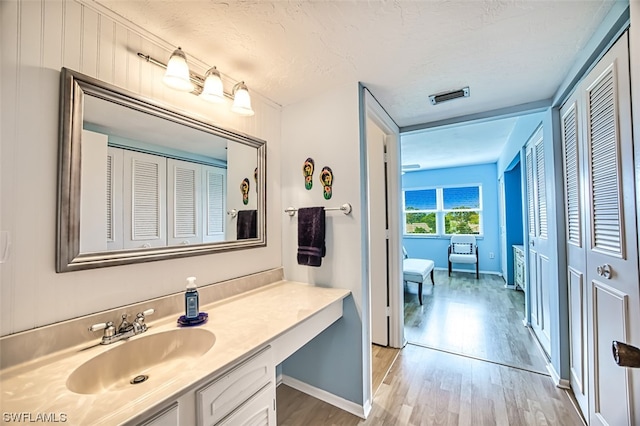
(241,100)
(212,90)
(177,74)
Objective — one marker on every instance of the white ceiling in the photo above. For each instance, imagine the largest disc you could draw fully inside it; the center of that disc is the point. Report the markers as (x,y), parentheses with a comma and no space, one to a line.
(509,52)
(461,145)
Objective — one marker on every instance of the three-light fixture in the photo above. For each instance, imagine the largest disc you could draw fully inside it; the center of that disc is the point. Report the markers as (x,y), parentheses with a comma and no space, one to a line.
(210,87)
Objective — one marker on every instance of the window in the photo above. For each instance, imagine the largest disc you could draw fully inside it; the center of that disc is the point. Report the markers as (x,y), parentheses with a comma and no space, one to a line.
(420,211)
(443,211)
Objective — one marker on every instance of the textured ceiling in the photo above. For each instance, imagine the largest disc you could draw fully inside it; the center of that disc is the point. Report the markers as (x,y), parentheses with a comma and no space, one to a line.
(509,52)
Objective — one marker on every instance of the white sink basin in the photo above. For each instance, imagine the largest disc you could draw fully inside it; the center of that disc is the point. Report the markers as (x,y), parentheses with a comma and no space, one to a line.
(140,360)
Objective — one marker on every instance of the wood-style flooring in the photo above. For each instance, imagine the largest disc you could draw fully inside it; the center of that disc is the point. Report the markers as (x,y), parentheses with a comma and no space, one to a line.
(477,318)
(487,368)
(382,358)
(431,387)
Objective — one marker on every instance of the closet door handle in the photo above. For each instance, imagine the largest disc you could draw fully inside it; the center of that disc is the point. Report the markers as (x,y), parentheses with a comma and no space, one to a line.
(604,271)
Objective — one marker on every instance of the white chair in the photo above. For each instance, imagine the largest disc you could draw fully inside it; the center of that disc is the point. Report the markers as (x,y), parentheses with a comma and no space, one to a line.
(416,271)
(463,249)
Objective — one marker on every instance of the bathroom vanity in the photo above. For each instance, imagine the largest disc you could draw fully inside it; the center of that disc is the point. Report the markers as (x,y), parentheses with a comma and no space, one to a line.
(220,372)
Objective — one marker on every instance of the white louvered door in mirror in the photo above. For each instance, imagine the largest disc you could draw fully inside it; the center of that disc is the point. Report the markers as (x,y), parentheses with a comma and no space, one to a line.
(115,213)
(184,202)
(611,238)
(145,185)
(214,180)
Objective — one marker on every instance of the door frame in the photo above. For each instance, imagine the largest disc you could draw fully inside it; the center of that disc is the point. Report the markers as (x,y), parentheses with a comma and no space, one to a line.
(374,111)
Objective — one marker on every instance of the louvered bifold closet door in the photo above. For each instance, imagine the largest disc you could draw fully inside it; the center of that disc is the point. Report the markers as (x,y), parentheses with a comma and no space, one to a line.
(572,175)
(604,161)
(215,183)
(531,206)
(184,201)
(576,256)
(538,264)
(145,194)
(541,195)
(611,237)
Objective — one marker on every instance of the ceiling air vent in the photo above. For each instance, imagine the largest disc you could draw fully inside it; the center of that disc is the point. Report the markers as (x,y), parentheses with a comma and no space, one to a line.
(447,96)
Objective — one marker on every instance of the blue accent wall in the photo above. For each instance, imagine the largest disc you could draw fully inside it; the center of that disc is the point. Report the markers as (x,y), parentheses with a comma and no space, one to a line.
(331,360)
(513,219)
(435,248)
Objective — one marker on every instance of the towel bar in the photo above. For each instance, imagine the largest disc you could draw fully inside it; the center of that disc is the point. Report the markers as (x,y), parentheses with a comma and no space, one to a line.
(345,208)
(233,213)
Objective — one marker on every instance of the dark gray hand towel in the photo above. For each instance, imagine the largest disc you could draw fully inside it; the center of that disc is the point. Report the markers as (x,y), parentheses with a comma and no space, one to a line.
(247,224)
(311,248)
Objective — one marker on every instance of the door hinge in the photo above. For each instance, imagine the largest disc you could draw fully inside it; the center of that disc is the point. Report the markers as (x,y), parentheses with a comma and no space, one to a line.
(386,234)
(386,157)
(388,311)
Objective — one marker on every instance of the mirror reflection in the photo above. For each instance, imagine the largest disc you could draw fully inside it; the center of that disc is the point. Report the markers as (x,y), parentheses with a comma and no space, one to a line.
(152,183)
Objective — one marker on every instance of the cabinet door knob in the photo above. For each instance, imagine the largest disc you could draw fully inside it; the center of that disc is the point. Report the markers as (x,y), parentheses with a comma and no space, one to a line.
(604,271)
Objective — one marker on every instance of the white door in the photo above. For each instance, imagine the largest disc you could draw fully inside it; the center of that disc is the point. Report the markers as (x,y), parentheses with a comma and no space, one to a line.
(611,238)
(538,252)
(378,242)
(572,144)
(184,202)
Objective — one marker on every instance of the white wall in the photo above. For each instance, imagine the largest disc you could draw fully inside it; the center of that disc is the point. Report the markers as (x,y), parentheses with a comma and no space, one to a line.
(37,39)
(326,128)
(242,161)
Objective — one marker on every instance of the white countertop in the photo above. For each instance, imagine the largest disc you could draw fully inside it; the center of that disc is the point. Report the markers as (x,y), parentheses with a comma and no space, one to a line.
(242,324)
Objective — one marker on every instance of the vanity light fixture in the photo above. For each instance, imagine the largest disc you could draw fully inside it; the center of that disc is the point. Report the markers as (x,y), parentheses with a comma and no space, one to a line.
(210,88)
(241,100)
(177,74)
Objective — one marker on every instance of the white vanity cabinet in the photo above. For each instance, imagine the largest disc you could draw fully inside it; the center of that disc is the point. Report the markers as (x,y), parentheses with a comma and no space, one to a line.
(166,417)
(244,395)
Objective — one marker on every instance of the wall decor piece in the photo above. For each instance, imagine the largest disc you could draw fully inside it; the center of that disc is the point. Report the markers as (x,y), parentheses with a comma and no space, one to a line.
(326,177)
(244,188)
(255,177)
(307,172)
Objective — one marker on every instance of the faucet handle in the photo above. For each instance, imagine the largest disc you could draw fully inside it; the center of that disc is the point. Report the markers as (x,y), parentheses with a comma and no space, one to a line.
(149,311)
(99,326)
(141,315)
(109,329)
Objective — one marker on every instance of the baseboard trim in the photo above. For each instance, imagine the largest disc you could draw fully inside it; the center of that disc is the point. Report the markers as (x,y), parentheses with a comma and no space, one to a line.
(361,411)
(560,383)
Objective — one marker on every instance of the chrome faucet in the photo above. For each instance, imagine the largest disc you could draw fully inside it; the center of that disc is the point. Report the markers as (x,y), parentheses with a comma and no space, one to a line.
(125,330)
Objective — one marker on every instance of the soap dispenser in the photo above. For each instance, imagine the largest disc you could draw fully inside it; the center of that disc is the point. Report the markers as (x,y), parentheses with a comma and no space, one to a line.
(191,300)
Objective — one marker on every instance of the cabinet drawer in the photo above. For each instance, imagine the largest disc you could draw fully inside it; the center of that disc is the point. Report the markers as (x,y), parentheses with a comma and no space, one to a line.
(258,411)
(229,391)
(167,417)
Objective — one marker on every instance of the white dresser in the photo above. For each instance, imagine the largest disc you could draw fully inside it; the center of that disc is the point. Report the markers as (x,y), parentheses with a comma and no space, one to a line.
(520,278)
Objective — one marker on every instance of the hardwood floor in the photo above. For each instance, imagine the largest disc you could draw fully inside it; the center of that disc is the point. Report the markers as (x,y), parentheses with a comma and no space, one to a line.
(473,363)
(430,387)
(382,358)
(478,318)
